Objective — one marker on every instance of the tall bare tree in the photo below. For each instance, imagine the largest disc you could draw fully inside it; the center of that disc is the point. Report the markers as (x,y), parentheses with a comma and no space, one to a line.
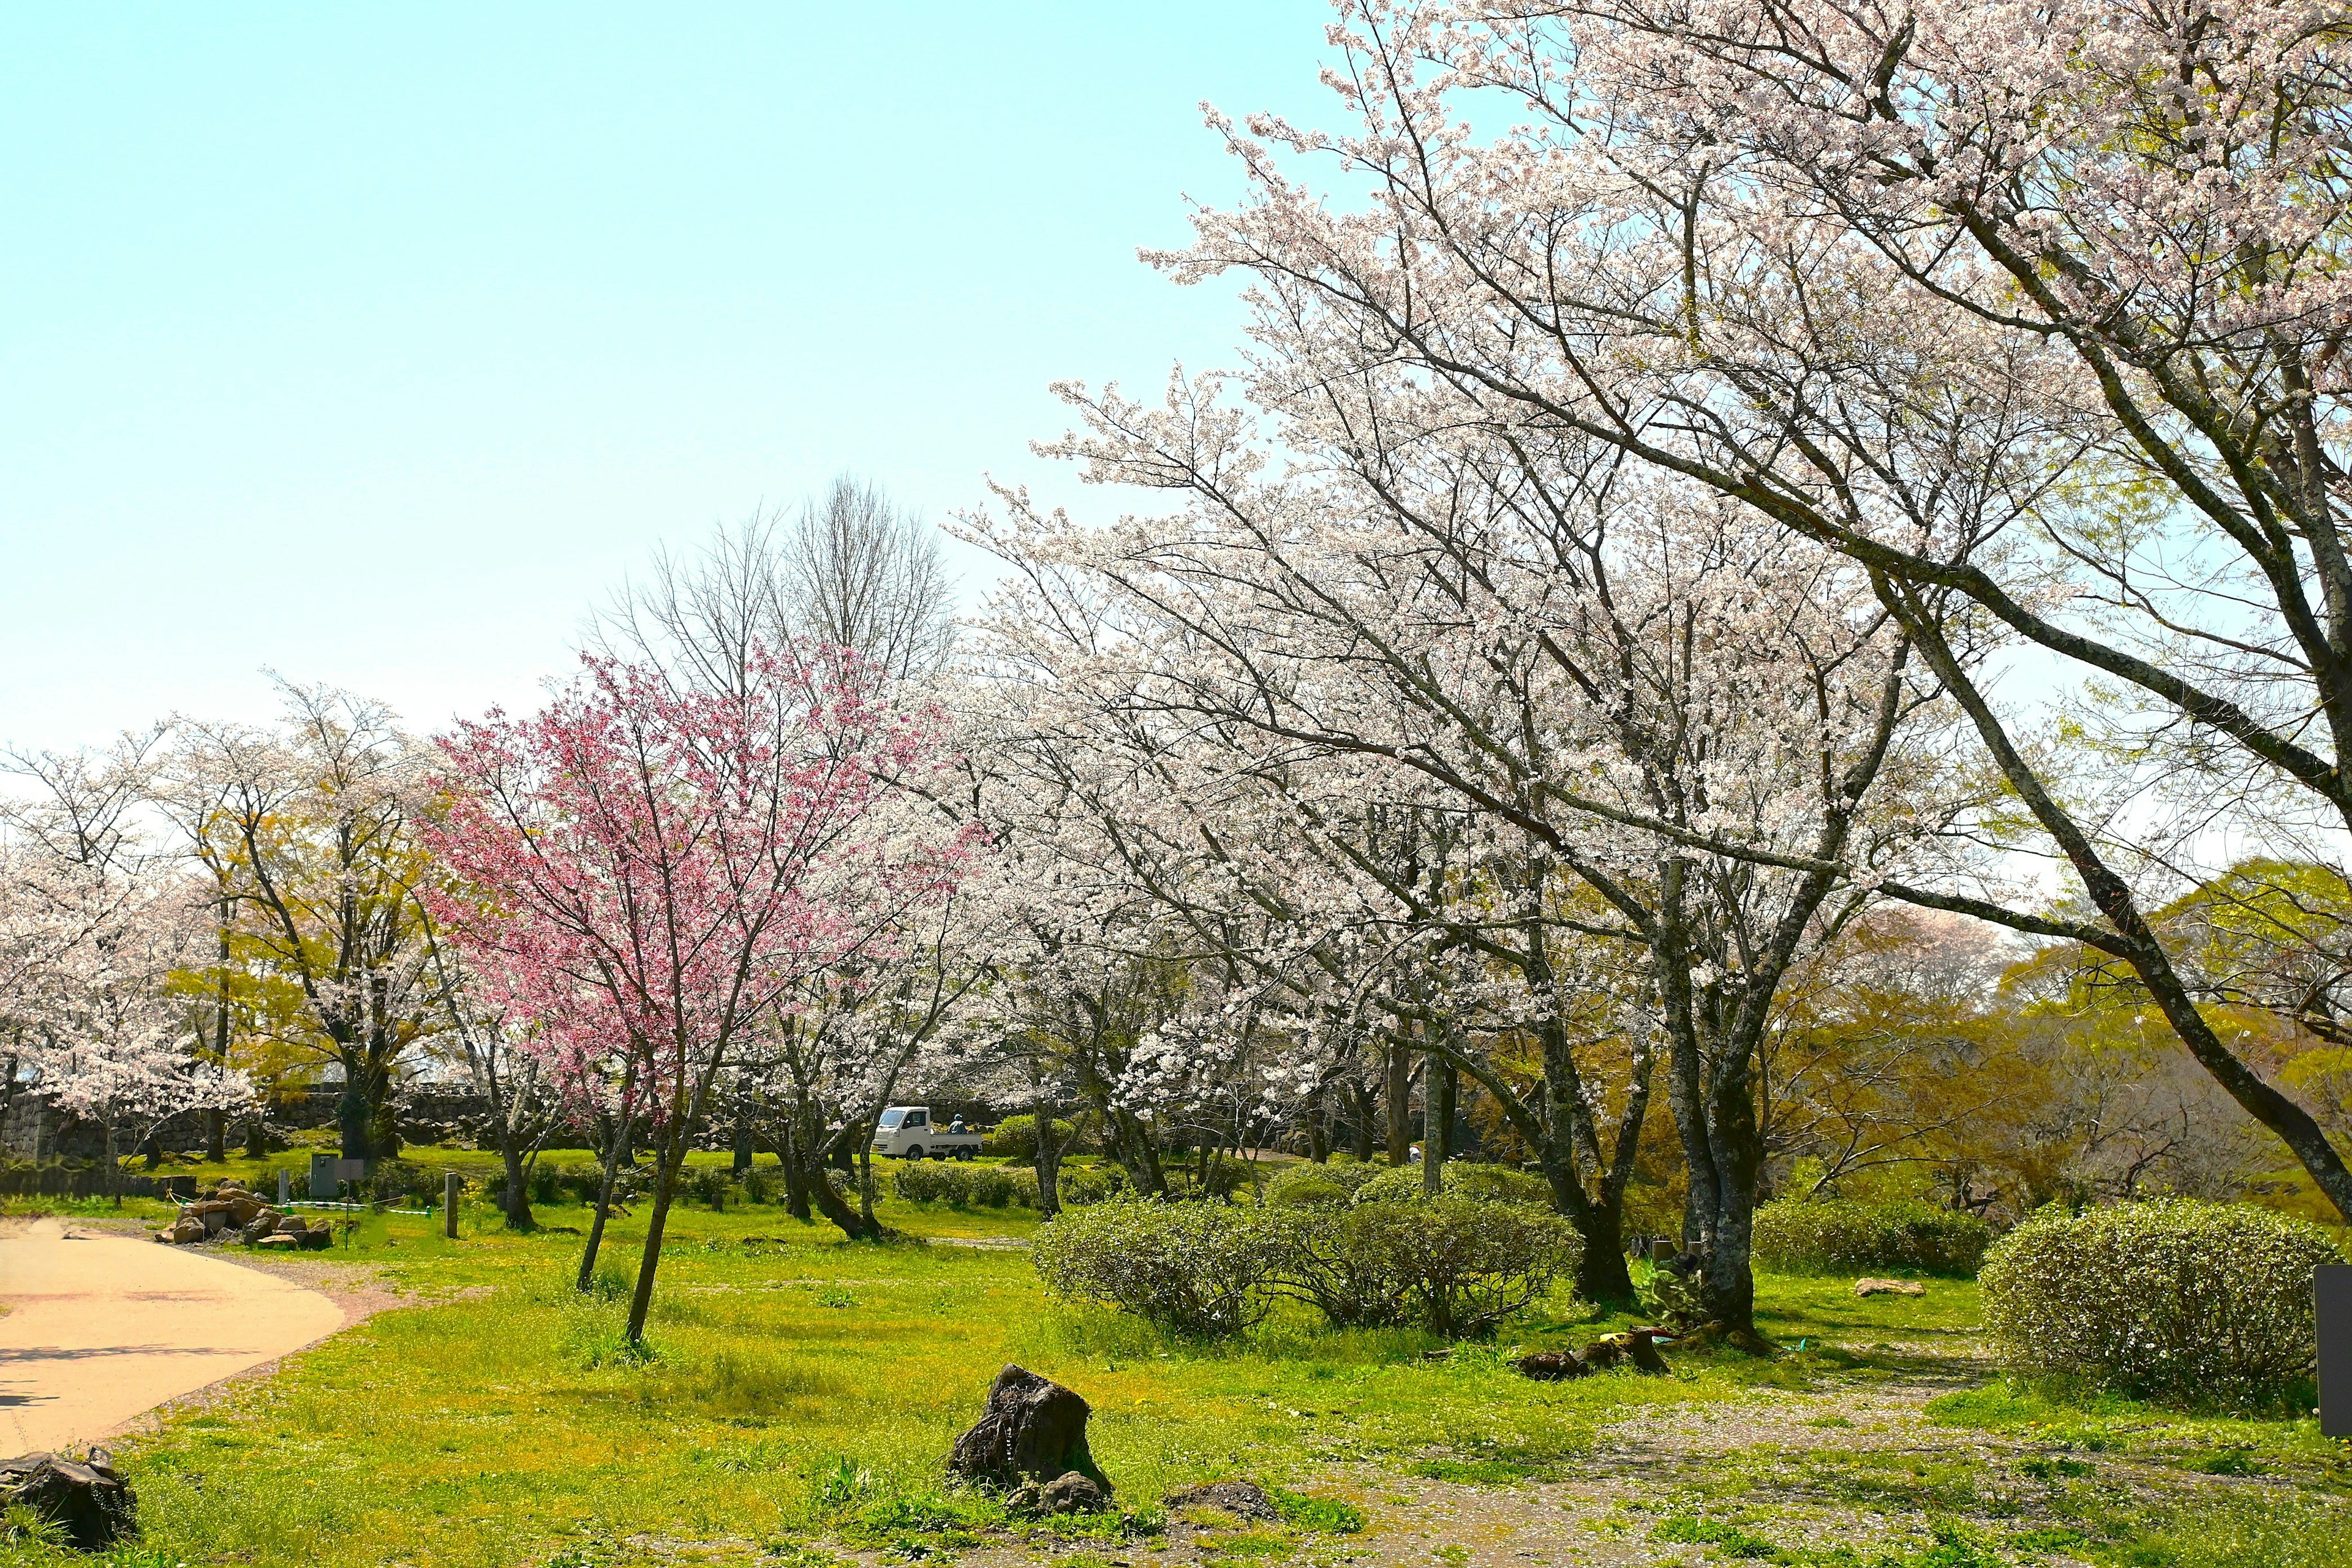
(852,568)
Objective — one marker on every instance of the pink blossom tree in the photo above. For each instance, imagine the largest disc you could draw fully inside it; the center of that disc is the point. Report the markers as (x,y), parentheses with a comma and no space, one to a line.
(650,868)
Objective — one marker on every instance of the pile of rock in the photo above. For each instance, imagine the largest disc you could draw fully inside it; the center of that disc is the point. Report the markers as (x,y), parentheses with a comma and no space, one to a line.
(229,1213)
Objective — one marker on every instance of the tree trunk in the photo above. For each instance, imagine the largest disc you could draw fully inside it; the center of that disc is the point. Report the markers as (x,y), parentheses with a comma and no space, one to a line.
(1740,1153)
(216,1137)
(865,1185)
(1319,1128)
(383,1123)
(1440,1085)
(517,1204)
(1716,1121)
(1600,1273)
(1588,1179)
(1132,1143)
(835,1209)
(1361,1095)
(1049,1161)
(743,1166)
(257,1137)
(670,1155)
(1398,1103)
(797,1181)
(619,1131)
(113,1167)
(353,1114)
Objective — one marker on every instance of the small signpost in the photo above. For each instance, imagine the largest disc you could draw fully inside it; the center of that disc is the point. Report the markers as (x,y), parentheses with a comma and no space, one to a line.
(1661,1251)
(2331,1289)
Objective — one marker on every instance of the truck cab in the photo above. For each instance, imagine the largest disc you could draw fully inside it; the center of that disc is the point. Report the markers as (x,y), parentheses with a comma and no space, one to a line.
(907,1132)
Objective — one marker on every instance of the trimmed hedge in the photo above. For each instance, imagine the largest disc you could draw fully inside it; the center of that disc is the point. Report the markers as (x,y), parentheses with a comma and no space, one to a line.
(2176,1300)
(1839,1236)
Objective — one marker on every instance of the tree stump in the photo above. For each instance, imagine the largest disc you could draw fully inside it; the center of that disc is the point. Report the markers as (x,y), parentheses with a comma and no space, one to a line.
(1033,1430)
(1634,1345)
(95,1506)
(1551,1366)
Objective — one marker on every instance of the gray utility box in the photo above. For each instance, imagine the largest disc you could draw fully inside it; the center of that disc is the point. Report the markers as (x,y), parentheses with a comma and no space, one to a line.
(2331,1290)
(327,1174)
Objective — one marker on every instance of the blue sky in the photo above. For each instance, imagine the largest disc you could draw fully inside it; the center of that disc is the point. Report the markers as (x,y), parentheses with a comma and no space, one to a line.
(373,344)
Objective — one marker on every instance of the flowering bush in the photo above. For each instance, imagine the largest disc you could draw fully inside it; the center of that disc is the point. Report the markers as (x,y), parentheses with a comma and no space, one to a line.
(1191,1268)
(1841,1237)
(2174,1299)
(1457,1265)
(1483,1184)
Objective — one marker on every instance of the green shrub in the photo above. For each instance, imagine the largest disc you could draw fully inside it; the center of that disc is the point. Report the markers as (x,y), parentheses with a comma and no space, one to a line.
(1084,1184)
(1225,1178)
(1499,1185)
(1309,1185)
(1480,1184)
(397,1181)
(985,1186)
(999,1186)
(922,1181)
(1015,1138)
(1841,1237)
(2176,1300)
(1191,1268)
(1306,1187)
(708,1184)
(585,1181)
(760,1184)
(1457,1265)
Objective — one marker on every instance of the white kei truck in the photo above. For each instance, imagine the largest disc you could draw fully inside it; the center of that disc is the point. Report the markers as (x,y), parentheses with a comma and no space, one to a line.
(906,1132)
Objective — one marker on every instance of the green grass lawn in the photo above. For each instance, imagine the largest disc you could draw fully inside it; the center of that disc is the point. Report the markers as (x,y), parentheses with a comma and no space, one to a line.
(802,1393)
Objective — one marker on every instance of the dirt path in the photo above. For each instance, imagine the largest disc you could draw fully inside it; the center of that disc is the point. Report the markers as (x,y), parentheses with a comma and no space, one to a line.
(1856,1464)
(1851,1470)
(99,1328)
